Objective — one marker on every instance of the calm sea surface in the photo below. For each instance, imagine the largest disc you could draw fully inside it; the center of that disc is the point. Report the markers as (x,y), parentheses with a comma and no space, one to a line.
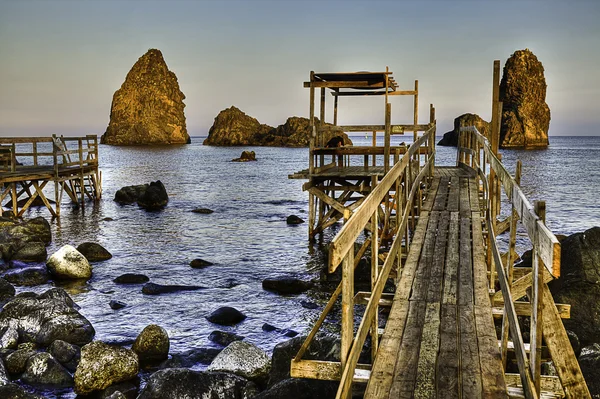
(247,237)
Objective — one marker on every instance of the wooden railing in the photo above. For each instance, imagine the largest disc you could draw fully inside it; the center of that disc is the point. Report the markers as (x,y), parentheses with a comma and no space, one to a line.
(474,152)
(400,189)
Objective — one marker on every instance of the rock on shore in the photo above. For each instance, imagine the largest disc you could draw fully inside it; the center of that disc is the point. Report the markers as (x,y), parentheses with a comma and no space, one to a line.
(148,108)
(69,263)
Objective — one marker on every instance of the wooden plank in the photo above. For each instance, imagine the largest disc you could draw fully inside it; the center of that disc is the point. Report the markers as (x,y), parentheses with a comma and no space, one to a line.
(470,366)
(453,194)
(436,273)
(326,370)
(524,309)
(520,286)
(466,290)
(452,262)
(548,383)
(492,374)
(441,197)
(480,280)
(425,386)
(327,199)
(421,280)
(395,129)
(431,194)
(447,368)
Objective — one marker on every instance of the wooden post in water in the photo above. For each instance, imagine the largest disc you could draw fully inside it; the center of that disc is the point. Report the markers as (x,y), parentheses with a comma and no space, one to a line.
(311,158)
(347,329)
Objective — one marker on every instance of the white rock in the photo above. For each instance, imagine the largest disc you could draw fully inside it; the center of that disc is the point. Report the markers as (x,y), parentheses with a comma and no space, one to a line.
(10,338)
(243,359)
(69,263)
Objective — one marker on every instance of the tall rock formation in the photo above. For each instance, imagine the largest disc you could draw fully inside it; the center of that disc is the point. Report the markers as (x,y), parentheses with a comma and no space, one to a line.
(233,127)
(465,120)
(525,114)
(148,108)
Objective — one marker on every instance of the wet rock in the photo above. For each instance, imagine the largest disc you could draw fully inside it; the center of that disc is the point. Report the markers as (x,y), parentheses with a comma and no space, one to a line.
(286,333)
(575,344)
(157,289)
(185,383)
(4,379)
(191,357)
(269,327)
(300,388)
(31,252)
(94,252)
(243,359)
(68,263)
(224,338)
(293,219)
(116,305)
(589,361)
(46,317)
(102,365)
(14,391)
(130,194)
(290,333)
(126,389)
(67,354)
(17,361)
(226,316)
(155,197)
(465,120)
(116,395)
(27,276)
(525,114)
(246,156)
(152,345)
(309,305)
(43,370)
(286,285)
(131,278)
(7,291)
(200,264)
(148,108)
(39,228)
(204,211)
(9,337)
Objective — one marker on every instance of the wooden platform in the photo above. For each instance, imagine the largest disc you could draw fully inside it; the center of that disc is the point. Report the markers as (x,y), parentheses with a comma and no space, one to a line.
(440,341)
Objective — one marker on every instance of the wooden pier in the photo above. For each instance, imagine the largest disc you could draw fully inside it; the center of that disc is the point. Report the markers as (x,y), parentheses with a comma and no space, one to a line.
(28,164)
(455,322)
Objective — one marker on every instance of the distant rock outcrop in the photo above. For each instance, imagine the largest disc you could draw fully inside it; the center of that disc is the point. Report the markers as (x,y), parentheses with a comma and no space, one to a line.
(233,127)
(525,114)
(451,138)
(148,108)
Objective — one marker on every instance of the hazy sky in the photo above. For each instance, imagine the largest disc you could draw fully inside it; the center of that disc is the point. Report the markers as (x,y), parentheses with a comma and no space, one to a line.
(61,61)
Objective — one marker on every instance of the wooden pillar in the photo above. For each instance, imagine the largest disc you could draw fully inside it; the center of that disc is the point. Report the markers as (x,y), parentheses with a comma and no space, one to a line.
(374,144)
(374,273)
(335,108)
(495,140)
(386,151)
(535,353)
(416,109)
(347,330)
(311,158)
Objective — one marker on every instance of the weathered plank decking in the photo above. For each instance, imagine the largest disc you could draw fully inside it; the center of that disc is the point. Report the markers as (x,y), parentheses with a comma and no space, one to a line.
(440,339)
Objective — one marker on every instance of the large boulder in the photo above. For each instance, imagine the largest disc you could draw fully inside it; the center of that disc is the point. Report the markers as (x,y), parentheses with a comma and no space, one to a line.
(296,132)
(102,365)
(31,252)
(45,318)
(226,316)
(152,344)
(26,240)
(69,263)
(579,284)
(244,359)
(148,108)
(43,370)
(465,120)
(155,196)
(525,114)
(94,252)
(184,383)
(130,194)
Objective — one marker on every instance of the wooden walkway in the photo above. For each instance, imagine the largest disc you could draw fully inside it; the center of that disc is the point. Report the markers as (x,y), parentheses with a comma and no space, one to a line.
(439,340)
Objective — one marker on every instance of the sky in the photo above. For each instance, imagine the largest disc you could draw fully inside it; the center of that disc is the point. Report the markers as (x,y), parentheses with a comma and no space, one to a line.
(62,61)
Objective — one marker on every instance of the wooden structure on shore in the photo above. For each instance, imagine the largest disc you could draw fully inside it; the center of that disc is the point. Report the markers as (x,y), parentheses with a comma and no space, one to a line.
(452,281)
(28,164)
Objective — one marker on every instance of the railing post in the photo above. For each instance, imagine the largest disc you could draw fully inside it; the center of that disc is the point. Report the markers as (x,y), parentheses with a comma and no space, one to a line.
(347,333)
(386,151)
(536,305)
(375,272)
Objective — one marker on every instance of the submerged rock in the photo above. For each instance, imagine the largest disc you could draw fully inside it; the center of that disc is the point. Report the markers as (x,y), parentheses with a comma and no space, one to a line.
(465,120)
(224,338)
(129,194)
(204,211)
(68,263)
(200,264)
(131,278)
(116,305)
(27,276)
(525,114)
(185,383)
(286,285)
(155,197)
(245,157)
(43,370)
(102,365)
(157,289)
(148,108)
(293,219)
(226,316)
(152,344)
(94,252)
(191,357)
(243,359)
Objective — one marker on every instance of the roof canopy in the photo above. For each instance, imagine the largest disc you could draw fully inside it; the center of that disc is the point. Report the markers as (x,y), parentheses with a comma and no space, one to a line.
(373,81)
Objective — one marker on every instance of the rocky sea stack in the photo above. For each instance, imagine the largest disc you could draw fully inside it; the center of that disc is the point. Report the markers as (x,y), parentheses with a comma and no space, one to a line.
(232,127)
(148,108)
(525,114)
(451,138)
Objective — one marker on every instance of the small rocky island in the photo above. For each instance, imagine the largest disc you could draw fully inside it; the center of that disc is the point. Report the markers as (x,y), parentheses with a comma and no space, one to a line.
(525,114)
(232,127)
(148,108)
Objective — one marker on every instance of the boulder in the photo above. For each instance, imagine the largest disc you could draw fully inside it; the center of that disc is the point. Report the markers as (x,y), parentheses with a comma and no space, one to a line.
(4,379)
(25,275)
(67,354)
(157,289)
(130,194)
(155,197)
(9,337)
(7,291)
(246,156)
(31,252)
(94,252)
(465,120)
(46,317)
(116,305)
(191,358)
(226,316)
(148,108)
(14,391)
(579,284)
(300,388)
(224,338)
(121,390)
(39,228)
(200,264)
(286,285)
(185,383)
(244,359)
(69,263)
(43,370)
(525,114)
(102,365)
(152,345)
(131,278)
(16,362)
(293,219)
